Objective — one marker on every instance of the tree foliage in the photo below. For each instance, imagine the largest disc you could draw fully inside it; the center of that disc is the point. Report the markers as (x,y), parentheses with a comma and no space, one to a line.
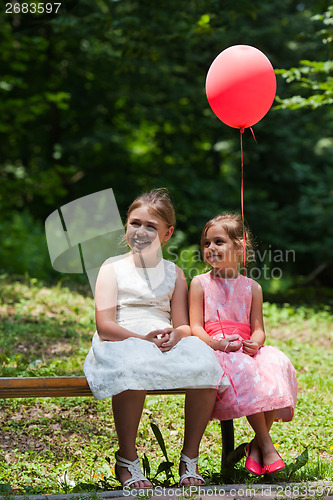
(312,77)
(111,94)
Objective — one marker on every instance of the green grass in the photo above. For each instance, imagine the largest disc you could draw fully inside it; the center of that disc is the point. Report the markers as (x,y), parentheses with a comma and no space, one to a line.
(47,331)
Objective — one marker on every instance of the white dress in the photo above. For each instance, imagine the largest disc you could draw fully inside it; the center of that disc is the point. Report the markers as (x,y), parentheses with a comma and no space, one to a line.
(143,305)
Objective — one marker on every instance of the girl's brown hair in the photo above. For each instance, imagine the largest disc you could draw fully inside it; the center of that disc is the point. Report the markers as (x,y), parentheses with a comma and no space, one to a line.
(233,226)
(158,202)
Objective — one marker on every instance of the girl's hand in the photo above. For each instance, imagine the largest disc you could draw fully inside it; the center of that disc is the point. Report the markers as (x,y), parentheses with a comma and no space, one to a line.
(222,345)
(250,347)
(171,338)
(158,337)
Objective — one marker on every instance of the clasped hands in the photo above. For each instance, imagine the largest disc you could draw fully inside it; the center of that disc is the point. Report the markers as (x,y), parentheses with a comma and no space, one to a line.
(233,343)
(165,339)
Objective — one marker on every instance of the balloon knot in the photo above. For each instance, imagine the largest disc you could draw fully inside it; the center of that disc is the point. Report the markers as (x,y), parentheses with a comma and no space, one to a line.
(242,130)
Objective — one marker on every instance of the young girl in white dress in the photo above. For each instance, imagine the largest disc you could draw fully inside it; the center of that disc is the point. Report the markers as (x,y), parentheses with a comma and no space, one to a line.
(226,313)
(143,340)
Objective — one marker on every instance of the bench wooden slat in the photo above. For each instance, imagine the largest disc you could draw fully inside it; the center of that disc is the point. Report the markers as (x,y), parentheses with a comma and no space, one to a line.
(48,387)
(35,387)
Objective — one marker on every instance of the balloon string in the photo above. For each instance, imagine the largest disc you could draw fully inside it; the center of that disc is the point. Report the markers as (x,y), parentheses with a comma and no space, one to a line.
(242,190)
(254,137)
(242,195)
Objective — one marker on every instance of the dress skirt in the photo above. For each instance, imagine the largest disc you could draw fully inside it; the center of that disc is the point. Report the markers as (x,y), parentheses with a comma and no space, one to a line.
(264,382)
(112,367)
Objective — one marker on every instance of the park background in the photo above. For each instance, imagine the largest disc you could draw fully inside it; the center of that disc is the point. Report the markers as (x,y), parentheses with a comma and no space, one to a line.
(111,94)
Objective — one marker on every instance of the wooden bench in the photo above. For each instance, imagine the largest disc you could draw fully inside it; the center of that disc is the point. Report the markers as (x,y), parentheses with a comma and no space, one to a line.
(41,387)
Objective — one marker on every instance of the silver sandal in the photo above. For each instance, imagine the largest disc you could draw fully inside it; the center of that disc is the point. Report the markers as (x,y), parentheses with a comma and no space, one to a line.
(135,470)
(191,470)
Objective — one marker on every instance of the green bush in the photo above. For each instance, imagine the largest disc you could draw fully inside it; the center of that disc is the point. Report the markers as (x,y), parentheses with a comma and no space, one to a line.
(23,247)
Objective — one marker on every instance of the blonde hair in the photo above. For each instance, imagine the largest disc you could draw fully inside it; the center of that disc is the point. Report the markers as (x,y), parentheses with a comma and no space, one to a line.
(233,226)
(158,202)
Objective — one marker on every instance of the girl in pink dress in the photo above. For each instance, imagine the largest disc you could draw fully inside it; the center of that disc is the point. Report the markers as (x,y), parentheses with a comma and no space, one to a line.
(226,313)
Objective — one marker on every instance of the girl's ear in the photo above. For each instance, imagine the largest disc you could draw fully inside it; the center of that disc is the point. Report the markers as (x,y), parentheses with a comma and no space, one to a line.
(169,233)
(239,247)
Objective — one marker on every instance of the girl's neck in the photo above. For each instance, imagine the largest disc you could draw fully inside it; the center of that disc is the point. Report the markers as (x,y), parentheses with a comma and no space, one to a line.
(228,273)
(145,261)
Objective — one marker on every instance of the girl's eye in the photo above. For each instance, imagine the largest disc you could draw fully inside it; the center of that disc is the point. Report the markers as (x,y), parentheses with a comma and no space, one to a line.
(135,224)
(151,227)
(207,243)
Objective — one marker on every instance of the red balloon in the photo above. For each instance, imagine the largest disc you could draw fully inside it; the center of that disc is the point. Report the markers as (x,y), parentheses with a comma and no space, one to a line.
(240,86)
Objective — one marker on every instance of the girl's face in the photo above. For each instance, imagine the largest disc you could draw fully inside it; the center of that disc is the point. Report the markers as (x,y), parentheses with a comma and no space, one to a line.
(219,249)
(145,231)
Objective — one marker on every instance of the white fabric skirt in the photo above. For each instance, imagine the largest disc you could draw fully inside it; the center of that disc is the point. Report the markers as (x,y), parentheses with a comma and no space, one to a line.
(112,367)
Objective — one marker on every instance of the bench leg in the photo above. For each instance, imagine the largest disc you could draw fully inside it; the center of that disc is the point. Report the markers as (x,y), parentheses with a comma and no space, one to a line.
(228,440)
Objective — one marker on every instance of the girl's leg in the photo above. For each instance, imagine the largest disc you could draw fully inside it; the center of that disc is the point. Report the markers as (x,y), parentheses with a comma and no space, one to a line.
(199,404)
(270,417)
(255,449)
(127,409)
(262,442)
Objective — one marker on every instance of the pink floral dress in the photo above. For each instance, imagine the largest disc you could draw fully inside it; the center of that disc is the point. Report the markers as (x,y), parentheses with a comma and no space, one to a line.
(264,382)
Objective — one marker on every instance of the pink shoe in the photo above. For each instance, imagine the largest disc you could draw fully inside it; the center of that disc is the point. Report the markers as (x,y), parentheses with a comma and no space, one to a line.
(274,467)
(250,464)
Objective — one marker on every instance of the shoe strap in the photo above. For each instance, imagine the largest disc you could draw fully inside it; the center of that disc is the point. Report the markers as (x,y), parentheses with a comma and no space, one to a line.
(134,469)
(191,468)
(189,461)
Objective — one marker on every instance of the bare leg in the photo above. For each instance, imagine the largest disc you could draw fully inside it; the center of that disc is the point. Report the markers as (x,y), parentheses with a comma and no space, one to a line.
(263,441)
(255,448)
(127,409)
(270,417)
(199,405)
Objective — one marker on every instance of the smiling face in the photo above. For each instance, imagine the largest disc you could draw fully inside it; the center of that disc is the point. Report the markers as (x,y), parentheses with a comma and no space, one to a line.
(220,251)
(145,231)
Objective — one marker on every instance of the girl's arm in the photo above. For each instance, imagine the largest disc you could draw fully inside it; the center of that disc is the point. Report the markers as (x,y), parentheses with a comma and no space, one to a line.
(258,336)
(196,311)
(179,305)
(197,321)
(106,306)
(179,313)
(107,327)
